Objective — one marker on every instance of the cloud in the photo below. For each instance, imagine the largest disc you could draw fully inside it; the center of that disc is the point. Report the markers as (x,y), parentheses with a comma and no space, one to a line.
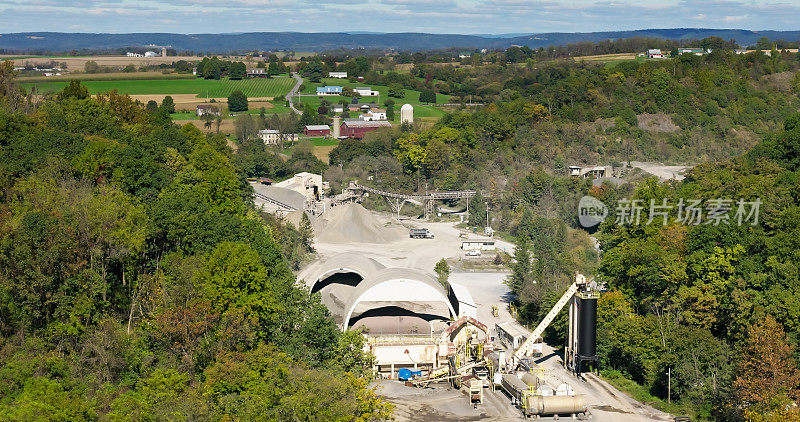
(441,16)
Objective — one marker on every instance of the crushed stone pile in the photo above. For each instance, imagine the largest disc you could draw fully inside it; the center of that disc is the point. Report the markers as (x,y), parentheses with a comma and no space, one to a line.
(352,223)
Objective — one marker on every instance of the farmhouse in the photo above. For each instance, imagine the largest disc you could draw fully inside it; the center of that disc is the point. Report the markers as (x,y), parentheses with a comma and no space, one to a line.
(337,75)
(273,137)
(357,128)
(366,91)
(374,114)
(655,53)
(317,130)
(329,90)
(257,73)
(204,109)
(695,51)
(131,54)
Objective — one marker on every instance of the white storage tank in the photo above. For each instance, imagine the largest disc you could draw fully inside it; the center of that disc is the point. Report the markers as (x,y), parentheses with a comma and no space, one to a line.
(407,114)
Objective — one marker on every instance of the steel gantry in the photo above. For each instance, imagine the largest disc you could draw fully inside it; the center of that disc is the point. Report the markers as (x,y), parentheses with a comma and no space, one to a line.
(396,200)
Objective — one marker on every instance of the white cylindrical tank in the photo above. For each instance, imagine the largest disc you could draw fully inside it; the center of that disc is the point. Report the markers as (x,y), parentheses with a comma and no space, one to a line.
(531,380)
(407,114)
(555,405)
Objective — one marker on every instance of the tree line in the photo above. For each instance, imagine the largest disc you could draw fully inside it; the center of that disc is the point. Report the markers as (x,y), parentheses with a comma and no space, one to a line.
(137,281)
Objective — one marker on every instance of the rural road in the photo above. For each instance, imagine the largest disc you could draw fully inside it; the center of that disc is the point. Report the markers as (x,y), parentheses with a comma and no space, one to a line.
(294,91)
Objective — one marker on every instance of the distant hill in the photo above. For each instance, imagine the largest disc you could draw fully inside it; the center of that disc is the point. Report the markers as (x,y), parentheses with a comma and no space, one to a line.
(298,41)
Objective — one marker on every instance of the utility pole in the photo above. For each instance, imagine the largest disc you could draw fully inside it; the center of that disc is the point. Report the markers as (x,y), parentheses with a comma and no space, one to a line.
(669,385)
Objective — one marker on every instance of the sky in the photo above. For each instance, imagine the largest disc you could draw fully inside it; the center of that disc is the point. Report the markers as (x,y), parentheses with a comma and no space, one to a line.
(435,16)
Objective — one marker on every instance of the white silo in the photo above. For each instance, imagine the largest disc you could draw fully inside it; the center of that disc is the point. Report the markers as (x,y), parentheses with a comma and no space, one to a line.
(406,114)
(336,127)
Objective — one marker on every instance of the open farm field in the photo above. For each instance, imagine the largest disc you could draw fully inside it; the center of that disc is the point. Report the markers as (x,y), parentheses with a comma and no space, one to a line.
(411,96)
(78,63)
(113,76)
(420,110)
(226,127)
(262,88)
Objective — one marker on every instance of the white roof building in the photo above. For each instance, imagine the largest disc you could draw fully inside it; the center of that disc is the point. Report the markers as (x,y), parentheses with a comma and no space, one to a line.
(366,91)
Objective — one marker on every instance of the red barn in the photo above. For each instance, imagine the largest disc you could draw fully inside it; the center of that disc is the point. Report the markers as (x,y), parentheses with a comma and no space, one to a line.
(317,130)
(357,128)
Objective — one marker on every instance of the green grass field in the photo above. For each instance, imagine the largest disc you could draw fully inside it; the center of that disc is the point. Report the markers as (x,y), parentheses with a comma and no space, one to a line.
(420,110)
(411,96)
(275,87)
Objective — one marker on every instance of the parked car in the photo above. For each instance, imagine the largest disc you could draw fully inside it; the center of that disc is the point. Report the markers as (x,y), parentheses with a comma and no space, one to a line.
(473,252)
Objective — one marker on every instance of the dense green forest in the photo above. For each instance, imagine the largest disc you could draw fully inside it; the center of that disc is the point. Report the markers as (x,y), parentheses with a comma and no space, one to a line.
(138,282)
(713,300)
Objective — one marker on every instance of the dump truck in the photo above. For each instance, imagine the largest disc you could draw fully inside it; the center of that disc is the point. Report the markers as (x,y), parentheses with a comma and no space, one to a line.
(420,234)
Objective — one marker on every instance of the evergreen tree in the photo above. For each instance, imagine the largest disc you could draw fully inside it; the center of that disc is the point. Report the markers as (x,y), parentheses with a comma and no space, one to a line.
(477,211)
(442,270)
(306,232)
(237,101)
(152,106)
(390,112)
(168,104)
(522,266)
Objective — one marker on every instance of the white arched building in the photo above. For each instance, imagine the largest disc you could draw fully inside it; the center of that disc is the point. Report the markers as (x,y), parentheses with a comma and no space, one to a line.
(398,299)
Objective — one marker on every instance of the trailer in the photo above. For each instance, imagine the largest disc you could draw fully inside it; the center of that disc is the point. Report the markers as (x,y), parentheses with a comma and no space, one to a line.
(524,395)
(420,234)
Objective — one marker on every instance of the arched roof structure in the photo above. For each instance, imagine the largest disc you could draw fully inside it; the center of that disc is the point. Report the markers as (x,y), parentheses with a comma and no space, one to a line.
(341,263)
(397,285)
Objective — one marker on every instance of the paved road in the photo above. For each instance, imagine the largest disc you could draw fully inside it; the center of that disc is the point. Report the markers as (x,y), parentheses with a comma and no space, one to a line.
(294,91)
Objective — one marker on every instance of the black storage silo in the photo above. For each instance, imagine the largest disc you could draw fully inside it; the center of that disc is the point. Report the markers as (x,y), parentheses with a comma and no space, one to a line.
(587,327)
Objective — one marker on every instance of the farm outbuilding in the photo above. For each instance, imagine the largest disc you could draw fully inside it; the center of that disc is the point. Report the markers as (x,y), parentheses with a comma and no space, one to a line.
(366,91)
(317,130)
(358,128)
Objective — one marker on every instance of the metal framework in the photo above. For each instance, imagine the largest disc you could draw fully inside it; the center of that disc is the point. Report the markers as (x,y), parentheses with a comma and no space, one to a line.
(275,202)
(397,200)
